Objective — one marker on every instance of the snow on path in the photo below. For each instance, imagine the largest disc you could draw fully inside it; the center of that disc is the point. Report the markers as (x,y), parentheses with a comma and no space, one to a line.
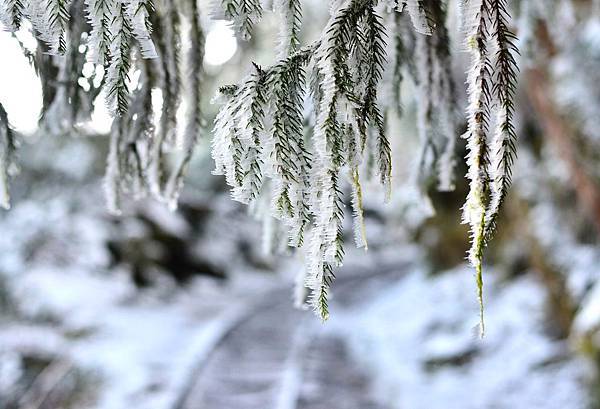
(278,360)
(283,358)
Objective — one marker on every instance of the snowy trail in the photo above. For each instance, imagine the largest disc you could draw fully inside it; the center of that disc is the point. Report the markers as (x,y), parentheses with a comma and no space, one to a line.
(282,358)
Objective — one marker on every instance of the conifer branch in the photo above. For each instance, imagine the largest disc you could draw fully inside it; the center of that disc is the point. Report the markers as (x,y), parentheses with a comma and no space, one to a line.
(436,102)
(252,136)
(360,233)
(478,114)
(7,152)
(286,83)
(287,166)
(169,50)
(12,14)
(424,60)
(243,14)
(445,95)
(503,147)
(401,57)
(114,161)
(99,17)
(289,33)
(117,76)
(491,87)
(131,139)
(139,12)
(50,19)
(420,15)
(195,77)
(306,177)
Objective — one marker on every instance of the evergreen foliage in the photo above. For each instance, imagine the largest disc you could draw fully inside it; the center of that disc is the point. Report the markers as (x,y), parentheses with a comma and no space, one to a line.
(491,84)
(294,134)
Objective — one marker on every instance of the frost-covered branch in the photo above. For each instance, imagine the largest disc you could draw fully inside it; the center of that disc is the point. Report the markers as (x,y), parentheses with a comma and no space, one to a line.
(477,14)
(256,140)
(142,143)
(50,19)
(117,76)
(169,50)
(436,101)
(420,15)
(12,13)
(7,152)
(243,14)
(139,12)
(491,84)
(99,17)
(291,20)
(503,147)
(195,76)
(293,137)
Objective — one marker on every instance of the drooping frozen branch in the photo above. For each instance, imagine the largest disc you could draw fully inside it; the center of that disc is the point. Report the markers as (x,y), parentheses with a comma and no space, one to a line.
(7,151)
(292,137)
(503,147)
(491,83)
(195,77)
(244,14)
(255,140)
(478,114)
(291,20)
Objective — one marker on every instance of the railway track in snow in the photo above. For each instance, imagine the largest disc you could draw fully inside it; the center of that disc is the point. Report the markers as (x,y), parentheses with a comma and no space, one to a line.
(278,357)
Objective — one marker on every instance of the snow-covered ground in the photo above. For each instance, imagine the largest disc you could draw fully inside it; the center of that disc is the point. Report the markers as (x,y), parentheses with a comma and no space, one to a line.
(68,302)
(139,348)
(420,341)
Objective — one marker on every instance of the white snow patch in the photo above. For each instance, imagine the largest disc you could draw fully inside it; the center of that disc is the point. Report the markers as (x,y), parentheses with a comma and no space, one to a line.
(417,339)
